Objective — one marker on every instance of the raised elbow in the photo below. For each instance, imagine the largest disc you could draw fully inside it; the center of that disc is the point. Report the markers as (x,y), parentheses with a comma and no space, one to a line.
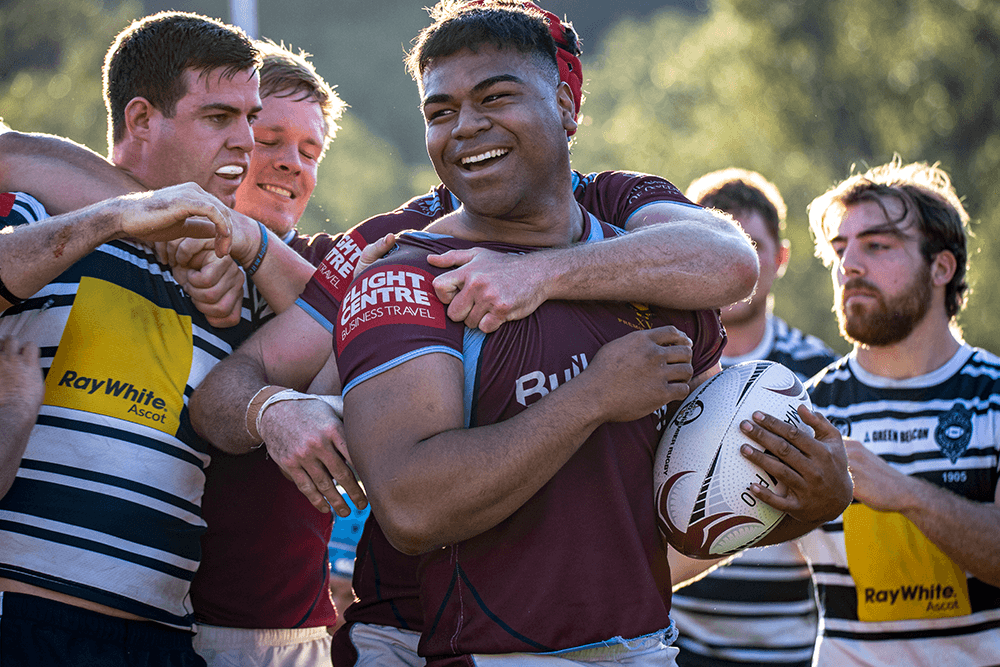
(744,272)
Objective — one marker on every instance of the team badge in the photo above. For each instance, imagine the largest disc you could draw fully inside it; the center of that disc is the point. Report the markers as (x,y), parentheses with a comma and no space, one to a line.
(842,424)
(954,431)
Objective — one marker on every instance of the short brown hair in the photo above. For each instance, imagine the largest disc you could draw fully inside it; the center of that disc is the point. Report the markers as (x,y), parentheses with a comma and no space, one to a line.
(926,192)
(738,192)
(149,57)
(284,73)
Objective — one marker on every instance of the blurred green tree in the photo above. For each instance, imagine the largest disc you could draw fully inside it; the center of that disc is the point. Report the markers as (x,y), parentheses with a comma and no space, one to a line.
(52,52)
(801,91)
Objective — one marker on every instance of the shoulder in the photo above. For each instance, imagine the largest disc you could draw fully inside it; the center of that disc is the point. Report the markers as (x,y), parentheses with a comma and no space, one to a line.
(636,183)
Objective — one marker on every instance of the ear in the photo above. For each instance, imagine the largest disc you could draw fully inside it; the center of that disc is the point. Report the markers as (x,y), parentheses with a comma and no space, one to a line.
(564,98)
(943,268)
(784,252)
(140,114)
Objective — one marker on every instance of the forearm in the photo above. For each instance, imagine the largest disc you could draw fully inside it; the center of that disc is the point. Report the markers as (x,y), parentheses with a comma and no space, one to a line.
(218,406)
(288,352)
(33,255)
(63,175)
(787,529)
(674,265)
(965,530)
(685,571)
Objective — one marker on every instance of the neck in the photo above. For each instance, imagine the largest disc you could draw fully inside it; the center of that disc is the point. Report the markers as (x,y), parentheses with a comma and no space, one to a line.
(928,347)
(130,162)
(743,337)
(559,223)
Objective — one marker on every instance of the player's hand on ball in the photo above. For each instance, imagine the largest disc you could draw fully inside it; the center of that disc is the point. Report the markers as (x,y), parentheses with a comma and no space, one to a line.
(812,468)
(641,372)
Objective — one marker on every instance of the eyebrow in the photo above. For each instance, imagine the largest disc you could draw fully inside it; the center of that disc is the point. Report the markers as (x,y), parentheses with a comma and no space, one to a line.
(228,108)
(441,98)
(878,230)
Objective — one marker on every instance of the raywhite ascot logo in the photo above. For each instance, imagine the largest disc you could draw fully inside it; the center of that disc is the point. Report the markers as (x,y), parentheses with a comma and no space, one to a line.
(389,295)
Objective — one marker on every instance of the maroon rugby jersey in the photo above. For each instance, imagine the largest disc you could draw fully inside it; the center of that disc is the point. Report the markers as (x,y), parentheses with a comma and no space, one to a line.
(384,579)
(581,562)
(258,521)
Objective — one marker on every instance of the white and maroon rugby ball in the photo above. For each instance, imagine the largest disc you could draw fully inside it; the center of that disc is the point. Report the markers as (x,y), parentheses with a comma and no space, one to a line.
(701,481)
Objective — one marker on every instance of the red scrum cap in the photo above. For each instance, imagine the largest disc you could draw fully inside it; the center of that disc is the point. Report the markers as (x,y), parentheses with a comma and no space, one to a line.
(567,55)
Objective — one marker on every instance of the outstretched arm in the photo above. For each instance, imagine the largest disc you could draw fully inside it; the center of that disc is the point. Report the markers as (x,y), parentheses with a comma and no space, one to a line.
(432,482)
(676,256)
(965,530)
(62,174)
(33,255)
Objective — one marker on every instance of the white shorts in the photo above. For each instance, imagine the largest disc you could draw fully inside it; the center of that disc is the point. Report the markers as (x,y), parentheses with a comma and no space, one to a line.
(241,647)
(653,650)
(384,646)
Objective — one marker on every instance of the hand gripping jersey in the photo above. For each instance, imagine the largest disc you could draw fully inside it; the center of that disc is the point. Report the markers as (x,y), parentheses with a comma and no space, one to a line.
(594,516)
(265,562)
(612,196)
(106,505)
(759,608)
(888,596)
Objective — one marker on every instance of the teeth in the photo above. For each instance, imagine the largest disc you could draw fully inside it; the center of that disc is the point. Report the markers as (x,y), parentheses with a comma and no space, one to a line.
(276,190)
(497,152)
(230,170)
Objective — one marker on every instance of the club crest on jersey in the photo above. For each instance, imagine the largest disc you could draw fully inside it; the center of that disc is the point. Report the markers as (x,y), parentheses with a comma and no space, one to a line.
(954,432)
(842,424)
(390,294)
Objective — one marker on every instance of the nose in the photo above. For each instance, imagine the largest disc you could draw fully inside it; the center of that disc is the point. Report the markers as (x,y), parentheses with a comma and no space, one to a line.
(850,262)
(471,122)
(288,159)
(241,138)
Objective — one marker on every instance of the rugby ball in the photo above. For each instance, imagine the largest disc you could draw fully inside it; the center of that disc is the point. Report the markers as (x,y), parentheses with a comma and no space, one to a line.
(701,482)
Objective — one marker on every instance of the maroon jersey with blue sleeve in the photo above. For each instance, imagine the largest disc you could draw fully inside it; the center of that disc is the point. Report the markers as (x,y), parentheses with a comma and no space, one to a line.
(581,562)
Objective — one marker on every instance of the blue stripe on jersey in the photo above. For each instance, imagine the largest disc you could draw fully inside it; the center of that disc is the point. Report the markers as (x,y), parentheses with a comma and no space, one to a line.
(392,363)
(472,350)
(315,314)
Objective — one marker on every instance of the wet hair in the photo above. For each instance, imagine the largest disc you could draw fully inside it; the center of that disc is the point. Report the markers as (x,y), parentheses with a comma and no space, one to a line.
(284,73)
(149,58)
(925,193)
(739,192)
(469,25)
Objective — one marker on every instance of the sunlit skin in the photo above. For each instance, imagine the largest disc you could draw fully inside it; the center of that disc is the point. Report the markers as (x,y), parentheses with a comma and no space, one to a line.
(288,143)
(209,131)
(745,321)
(881,279)
(493,119)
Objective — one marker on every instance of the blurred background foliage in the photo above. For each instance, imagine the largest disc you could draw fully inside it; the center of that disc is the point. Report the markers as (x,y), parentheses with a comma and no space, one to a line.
(800,90)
